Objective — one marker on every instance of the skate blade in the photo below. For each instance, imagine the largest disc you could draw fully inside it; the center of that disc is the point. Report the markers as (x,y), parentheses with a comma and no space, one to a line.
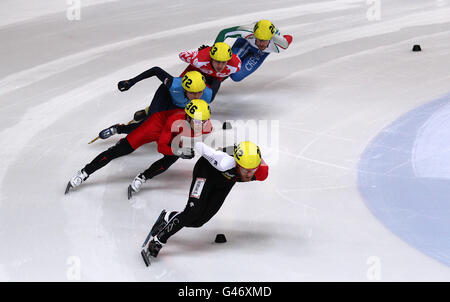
(94,140)
(147,239)
(145,258)
(154,231)
(130,192)
(68,188)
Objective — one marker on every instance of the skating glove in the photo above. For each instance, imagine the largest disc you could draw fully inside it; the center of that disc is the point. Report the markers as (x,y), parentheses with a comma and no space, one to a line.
(139,115)
(203,47)
(124,85)
(186,153)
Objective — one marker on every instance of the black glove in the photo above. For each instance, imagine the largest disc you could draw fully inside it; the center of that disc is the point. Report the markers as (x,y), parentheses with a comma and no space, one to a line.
(186,153)
(203,47)
(124,85)
(140,115)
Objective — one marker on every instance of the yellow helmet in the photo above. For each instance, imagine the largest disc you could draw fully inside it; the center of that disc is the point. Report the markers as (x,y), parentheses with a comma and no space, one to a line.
(193,81)
(198,110)
(247,155)
(221,52)
(264,30)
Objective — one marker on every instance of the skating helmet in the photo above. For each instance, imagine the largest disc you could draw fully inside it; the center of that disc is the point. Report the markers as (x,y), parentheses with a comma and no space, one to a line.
(198,110)
(221,52)
(247,155)
(193,81)
(264,30)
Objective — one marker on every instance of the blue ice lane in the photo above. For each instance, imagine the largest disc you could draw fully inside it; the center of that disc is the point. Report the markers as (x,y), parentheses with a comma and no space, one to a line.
(415,208)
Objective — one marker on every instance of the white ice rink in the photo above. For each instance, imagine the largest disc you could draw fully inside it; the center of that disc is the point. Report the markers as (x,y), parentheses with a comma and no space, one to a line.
(332,209)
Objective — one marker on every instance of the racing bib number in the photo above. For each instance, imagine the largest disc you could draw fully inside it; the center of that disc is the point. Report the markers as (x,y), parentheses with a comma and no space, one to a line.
(198,187)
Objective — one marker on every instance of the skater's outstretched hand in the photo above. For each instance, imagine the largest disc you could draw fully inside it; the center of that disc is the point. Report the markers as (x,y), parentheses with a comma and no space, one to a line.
(124,85)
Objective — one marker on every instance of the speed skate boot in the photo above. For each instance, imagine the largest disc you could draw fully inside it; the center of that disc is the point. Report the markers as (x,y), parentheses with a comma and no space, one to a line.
(136,185)
(160,223)
(76,180)
(154,247)
(108,132)
(152,250)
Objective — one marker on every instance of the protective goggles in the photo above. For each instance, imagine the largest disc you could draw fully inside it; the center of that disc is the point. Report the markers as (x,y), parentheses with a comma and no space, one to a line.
(198,122)
(248,171)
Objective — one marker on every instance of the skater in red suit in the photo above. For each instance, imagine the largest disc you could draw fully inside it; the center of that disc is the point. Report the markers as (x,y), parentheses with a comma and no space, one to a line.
(166,128)
(214,62)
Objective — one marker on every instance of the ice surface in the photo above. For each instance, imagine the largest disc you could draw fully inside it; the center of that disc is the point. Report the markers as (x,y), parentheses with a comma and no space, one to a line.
(396,184)
(431,153)
(342,81)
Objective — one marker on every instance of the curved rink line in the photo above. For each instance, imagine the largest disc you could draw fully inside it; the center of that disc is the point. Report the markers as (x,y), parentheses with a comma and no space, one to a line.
(404,178)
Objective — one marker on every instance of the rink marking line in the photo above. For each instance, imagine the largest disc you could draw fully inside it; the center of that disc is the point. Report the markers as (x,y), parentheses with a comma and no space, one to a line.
(438,16)
(345,58)
(295,201)
(42,116)
(308,213)
(319,188)
(62,8)
(320,162)
(319,133)
(27,77)
(314,160)
(323,6)
(324,133)
(399,201)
